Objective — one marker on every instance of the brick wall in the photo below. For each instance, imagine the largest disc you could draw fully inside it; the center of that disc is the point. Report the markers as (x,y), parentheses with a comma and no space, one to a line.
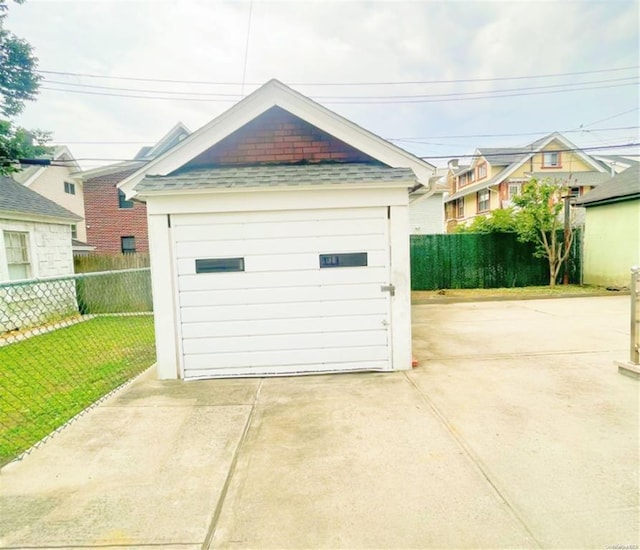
(278,137)
(107,222)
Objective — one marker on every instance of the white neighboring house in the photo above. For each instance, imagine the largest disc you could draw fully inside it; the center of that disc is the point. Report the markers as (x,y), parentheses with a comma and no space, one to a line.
(426,206)
(35,243)
(279,242)
(58,183)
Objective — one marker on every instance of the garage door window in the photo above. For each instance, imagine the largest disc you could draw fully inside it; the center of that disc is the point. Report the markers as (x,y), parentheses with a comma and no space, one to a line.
(219,265)
(353,259)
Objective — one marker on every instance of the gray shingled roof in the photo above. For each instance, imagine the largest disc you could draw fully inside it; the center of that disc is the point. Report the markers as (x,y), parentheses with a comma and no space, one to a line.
(503,156)
(17,199)
(623,185)
(276,176)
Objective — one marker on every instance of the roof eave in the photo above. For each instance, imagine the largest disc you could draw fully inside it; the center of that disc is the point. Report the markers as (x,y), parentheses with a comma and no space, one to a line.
(273,94)
(32,216)
(609,200)
(147,193)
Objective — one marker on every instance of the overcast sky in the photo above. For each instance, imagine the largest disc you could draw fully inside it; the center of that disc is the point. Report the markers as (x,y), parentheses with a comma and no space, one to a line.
(341,42)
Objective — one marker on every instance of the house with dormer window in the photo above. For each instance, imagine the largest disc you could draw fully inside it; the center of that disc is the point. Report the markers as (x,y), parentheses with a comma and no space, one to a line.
(115,225)
(495,175)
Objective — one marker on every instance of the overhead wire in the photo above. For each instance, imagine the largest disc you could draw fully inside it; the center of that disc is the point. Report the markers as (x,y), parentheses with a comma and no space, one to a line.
(233,97)
(246,48)
(378,83)
(415,139)
(488,155)
(438,98)
(516,134)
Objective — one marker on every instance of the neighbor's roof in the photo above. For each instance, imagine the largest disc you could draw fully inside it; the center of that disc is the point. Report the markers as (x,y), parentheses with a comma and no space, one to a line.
(144,155)
(16,199)
(625,185)
(28,175)
(272,176)
(503,156)
(512,158)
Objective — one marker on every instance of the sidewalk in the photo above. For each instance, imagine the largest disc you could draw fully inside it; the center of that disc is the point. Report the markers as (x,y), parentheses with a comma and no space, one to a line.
(515,431)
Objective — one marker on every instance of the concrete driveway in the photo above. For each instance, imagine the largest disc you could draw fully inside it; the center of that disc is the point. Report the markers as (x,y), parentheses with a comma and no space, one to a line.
(516,430)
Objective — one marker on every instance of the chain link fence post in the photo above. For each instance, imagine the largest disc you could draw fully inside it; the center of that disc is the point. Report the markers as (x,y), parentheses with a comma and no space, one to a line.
(632,367)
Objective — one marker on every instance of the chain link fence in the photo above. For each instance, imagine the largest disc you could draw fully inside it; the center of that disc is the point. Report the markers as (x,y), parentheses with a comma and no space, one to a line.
(65,343)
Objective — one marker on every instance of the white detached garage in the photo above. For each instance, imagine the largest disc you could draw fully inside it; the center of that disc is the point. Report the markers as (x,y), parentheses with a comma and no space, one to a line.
(279,242)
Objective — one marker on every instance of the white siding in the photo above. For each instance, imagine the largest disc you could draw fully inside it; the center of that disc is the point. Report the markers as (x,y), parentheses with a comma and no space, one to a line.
(283,314)
(50,250)
(50,255)
(50,184)
(426,216)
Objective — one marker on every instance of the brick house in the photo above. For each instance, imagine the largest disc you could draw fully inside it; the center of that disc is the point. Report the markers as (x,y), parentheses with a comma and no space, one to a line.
(115,225)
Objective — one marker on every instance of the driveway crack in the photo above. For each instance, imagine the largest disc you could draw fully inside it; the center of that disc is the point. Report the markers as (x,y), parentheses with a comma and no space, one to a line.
(475,460)
(232,468)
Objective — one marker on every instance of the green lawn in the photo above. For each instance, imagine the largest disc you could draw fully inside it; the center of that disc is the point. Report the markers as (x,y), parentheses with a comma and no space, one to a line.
(47,379)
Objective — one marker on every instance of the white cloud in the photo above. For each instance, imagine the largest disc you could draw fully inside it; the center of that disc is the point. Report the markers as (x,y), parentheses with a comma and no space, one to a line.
(339,41)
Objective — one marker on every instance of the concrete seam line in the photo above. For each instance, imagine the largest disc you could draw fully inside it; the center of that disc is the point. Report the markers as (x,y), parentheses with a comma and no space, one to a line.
(474,459)
(518,355)
(232,468)
(103,400)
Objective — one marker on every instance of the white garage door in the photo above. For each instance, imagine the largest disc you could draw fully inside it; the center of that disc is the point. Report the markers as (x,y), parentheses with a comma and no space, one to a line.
(267,293)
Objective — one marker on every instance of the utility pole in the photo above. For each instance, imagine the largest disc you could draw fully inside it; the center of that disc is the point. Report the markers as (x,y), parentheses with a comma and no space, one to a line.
(567,229)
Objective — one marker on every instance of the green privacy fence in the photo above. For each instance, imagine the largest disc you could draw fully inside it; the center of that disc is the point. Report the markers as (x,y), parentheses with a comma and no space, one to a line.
(478,260)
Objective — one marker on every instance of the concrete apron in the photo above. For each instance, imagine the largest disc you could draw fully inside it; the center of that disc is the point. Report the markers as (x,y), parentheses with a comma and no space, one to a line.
(513,432)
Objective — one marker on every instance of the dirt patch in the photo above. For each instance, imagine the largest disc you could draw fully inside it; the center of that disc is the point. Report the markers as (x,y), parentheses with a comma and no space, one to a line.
(519,293)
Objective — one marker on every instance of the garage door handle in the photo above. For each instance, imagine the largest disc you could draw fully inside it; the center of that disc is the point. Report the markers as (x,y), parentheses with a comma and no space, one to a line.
(391,289)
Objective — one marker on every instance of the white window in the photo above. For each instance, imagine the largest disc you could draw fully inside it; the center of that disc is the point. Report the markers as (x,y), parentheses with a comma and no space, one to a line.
(69,188)
(575,191)
(482,171)
(514,190)
(74,231)
(16,246)
(483,200)
(551,160)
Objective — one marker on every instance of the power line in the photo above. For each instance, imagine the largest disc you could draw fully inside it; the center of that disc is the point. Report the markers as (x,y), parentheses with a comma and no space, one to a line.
(515,153)
(426,99)
(409,139)
(230,97)
(379,83)
(246,48)
(524,151)
(417,139)
(613,116)
(233,97)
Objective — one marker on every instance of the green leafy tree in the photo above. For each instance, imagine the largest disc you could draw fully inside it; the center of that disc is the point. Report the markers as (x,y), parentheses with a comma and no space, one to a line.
(19,82)
(539,221)
(498,221)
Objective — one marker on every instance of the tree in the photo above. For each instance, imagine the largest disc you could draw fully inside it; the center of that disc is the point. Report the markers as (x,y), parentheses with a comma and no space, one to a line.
(498,221)
(539,221)
(19,82)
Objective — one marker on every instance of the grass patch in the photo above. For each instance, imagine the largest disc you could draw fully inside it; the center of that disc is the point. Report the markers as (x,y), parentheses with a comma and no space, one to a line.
(47,379)
(515,293)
